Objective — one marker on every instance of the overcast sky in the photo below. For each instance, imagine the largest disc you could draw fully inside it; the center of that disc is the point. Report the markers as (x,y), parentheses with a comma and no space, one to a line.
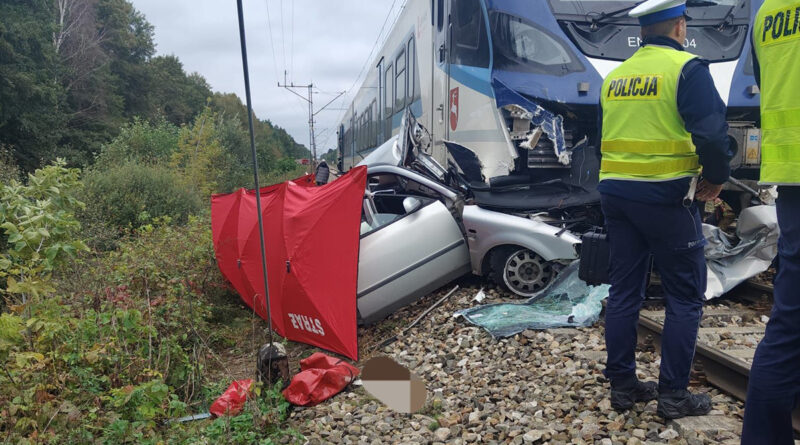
(324,42)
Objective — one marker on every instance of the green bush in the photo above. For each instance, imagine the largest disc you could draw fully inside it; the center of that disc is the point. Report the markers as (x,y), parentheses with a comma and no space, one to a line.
(131,195)
(127,343)
(140,142)
(40,229)
(116,349)
(286,165)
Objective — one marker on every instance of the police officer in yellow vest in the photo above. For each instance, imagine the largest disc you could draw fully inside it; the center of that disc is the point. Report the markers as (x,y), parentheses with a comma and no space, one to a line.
(774,386)
(661,121)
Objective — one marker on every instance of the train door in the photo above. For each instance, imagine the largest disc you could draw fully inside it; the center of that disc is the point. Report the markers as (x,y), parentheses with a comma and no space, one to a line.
(340,156)
(441,77)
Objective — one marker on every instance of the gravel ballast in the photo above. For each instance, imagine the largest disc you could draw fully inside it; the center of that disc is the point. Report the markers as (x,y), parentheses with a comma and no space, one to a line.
(535,387)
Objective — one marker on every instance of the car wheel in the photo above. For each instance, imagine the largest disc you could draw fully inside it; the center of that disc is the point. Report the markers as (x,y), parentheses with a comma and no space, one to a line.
(521,271)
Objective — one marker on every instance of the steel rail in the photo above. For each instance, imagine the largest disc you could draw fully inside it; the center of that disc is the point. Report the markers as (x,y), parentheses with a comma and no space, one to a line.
(722,370)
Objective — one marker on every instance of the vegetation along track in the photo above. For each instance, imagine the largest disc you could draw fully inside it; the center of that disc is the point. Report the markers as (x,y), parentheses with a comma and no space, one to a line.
(729,333)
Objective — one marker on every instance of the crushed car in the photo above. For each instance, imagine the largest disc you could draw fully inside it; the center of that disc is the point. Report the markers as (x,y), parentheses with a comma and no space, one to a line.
(423,225)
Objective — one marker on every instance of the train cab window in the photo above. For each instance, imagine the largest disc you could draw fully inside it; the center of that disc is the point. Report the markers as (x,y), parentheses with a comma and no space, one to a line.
(413,80)
(523,46)
(470,39)
(400,81)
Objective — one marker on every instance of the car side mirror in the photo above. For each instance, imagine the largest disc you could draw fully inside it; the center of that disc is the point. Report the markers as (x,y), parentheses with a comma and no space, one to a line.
(411,204)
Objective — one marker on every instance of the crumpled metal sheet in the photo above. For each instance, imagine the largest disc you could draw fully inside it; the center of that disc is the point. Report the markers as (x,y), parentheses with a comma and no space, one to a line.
(387,153)
(552,124)
(568,301)
(733,259)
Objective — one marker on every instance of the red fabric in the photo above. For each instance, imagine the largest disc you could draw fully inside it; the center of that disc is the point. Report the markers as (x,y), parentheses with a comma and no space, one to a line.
(311,236)
(232,400)
(321,377)
(308,180)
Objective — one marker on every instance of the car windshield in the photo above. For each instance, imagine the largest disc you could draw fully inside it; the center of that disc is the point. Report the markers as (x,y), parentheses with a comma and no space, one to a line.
(588,9)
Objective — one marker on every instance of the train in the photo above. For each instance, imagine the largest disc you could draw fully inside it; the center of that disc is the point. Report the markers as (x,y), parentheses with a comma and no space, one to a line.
(515,84)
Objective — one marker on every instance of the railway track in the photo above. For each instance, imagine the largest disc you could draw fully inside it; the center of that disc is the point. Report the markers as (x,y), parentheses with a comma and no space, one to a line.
(727,339)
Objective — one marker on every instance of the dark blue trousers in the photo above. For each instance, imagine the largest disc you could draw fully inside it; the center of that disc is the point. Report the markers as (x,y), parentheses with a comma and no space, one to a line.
(774,388)
(674,235)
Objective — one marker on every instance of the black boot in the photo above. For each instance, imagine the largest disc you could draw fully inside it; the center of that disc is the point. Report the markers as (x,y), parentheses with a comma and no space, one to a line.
(623,398)
(681,403)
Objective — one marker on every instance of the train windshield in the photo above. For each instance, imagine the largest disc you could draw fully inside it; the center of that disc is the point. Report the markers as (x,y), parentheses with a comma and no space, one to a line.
(701,10)
(522,45)
(603,29)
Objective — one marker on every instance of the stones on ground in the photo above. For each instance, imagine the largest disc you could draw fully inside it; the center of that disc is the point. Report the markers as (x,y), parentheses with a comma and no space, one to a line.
(442,434)
(532,436)
(536,387)
(709,425)
(668,434)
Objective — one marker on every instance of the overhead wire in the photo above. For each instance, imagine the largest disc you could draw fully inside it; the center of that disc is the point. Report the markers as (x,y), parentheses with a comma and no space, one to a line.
(374,46)
(272,43)
(291,53)
(283,37)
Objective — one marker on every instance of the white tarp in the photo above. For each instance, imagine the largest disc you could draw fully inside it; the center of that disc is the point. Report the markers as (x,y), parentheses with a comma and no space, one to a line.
(733,259)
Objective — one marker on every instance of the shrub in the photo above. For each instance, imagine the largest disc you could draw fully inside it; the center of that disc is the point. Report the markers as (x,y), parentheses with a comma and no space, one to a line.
(134,194)
(286,165)
(200,155)
(116,349)
(40,228)
(140,142)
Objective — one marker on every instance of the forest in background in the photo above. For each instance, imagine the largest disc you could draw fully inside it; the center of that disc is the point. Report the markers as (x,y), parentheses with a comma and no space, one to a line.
(114,318)
(73,73)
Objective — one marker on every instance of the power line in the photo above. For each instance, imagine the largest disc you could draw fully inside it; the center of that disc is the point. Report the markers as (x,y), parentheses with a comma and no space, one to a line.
(374,46)
(291,53)
(272,42)
(283,38)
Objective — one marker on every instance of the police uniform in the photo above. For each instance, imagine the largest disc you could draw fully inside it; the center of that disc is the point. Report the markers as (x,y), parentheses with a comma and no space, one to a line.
(661,121)
(774,385)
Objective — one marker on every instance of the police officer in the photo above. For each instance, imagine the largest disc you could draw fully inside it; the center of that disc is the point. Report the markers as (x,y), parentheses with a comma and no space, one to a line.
(661,120)
(774,388)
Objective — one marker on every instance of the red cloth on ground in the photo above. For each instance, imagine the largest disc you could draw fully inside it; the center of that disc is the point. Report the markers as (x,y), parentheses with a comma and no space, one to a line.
(320,378)
(232,400)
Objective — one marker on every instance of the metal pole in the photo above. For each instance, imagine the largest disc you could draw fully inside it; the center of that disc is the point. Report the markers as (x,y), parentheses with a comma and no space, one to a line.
(311,128)
(255,165)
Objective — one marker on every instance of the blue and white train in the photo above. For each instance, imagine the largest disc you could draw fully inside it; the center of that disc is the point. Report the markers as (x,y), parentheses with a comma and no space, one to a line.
(517,82)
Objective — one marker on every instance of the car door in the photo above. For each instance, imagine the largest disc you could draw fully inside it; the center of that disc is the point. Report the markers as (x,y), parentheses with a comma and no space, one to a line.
(405,255)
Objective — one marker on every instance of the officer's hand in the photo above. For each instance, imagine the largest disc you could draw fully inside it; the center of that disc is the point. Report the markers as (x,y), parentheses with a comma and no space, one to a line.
(707,191)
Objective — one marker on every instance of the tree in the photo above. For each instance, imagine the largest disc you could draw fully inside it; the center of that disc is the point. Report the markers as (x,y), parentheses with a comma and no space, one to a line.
(30,122)
(200,153)
(173,94)
(74,72)
(128,40)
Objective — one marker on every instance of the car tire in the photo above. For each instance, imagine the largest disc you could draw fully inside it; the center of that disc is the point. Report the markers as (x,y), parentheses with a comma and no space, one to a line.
(521,271)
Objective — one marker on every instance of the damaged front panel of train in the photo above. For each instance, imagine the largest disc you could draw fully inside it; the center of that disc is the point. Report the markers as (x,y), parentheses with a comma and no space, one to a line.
(539,158)
(546,68)
(515,85)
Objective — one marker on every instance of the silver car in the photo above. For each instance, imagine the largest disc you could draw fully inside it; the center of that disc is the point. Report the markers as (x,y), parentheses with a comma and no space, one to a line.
(417,234)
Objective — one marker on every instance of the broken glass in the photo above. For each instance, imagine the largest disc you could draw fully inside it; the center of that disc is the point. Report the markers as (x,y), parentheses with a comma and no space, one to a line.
(568,301)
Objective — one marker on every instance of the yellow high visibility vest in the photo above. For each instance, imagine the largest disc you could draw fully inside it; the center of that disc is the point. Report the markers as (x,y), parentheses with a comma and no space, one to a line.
(776,38)
(644,137)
